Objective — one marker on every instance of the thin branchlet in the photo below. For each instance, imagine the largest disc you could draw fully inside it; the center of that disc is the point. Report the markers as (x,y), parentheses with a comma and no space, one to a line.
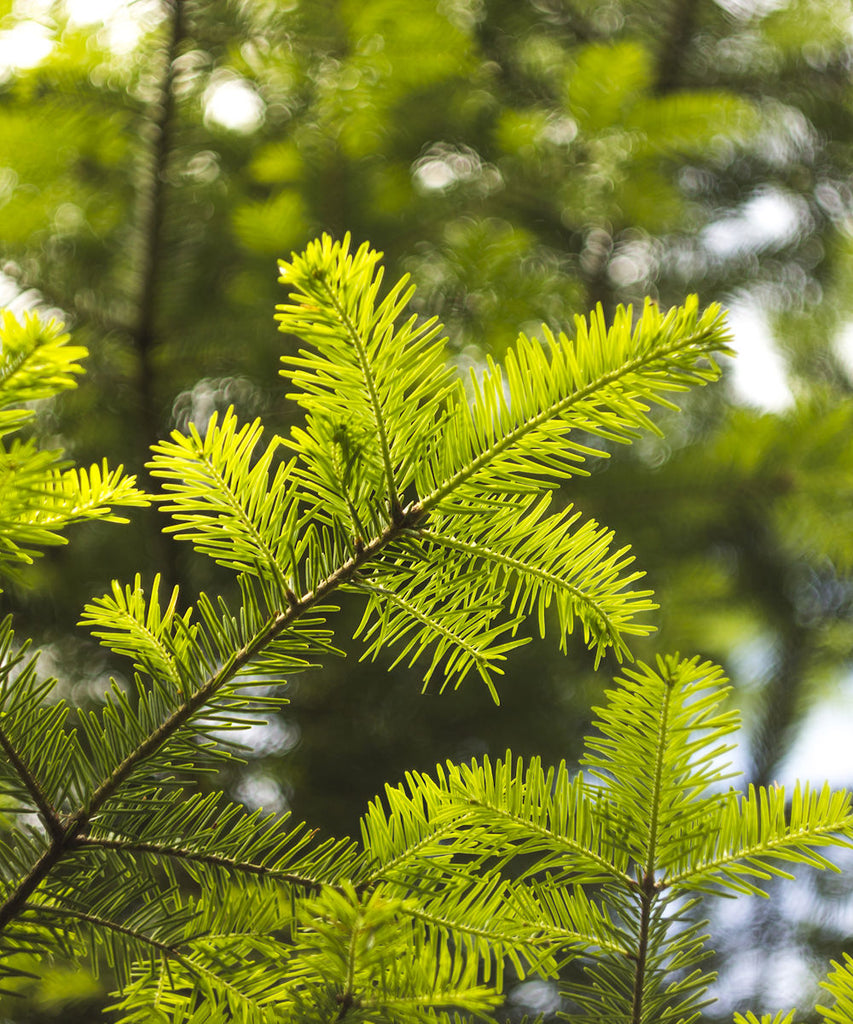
(50,817)
(373,396)
(648,893)
(77,914)
(64,835)
(214,860)
(557,409)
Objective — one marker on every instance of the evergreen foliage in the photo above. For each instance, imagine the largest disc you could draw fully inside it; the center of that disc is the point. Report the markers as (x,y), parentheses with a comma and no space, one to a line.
(428,498)
(613,867)
(522,161)
(39,494)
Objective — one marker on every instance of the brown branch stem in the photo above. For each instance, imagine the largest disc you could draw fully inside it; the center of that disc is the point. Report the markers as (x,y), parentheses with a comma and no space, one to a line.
(150,220)
(77,824)
(46,811)
(648,891)
(210,859)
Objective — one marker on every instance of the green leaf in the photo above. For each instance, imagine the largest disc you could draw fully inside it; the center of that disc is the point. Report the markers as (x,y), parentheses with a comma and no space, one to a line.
(201,686)
(39,499)
(557,820)
(780,1017)
(209,840)
(435,608)
(43,769)
(750,836)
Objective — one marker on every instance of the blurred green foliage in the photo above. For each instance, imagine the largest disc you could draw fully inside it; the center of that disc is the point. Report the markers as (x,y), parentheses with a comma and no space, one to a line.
(524,160)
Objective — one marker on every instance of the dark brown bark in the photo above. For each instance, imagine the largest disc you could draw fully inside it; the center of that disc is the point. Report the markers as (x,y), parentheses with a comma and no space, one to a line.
(674,45)
(150,221)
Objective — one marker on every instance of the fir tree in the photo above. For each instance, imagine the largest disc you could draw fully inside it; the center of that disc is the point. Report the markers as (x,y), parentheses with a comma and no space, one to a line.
(430,499)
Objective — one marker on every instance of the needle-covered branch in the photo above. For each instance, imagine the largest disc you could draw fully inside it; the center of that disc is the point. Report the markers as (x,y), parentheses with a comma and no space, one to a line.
(434,501)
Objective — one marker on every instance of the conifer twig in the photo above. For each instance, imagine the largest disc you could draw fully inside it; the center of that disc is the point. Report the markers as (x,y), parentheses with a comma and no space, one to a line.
(212,859)
(46,810)
(77,824)
(370,383)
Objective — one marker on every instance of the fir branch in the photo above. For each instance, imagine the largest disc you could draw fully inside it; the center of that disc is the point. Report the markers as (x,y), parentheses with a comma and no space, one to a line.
(246,514)
(753,830)
(648,889)
(647,897)
(648,883)
(358,344)
(599,388)
(610,608)
(408,930)
(48,814)
(348,997)
(490,554)
(78,823)
(107,925)
(570,849)
(385,868)
(16,901)
(465,649)
(36,361)
(213,860)
(239,660)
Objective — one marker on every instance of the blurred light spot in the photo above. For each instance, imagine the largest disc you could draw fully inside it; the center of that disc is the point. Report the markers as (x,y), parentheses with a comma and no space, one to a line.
(754,659)
(435,174)
(9,290)
(274,737)
(29,300)
(188,69)
(836,200)
(654,451)
(561,131)
(596,251)
(68,218)
(8,184)
(536,997)
(90,12)
(767,221)
(232,103)
(210,395)
(789,973)
(203,167)
(633,262)
(821,751)
(24,46)
(123,24)
(258,790)
(749,8)
(444,166)
(695,181)
(787,135)
(464,14)
(844,347)
(758,373)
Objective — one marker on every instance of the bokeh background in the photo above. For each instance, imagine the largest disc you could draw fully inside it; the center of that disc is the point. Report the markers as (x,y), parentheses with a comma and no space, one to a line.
(523,160)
